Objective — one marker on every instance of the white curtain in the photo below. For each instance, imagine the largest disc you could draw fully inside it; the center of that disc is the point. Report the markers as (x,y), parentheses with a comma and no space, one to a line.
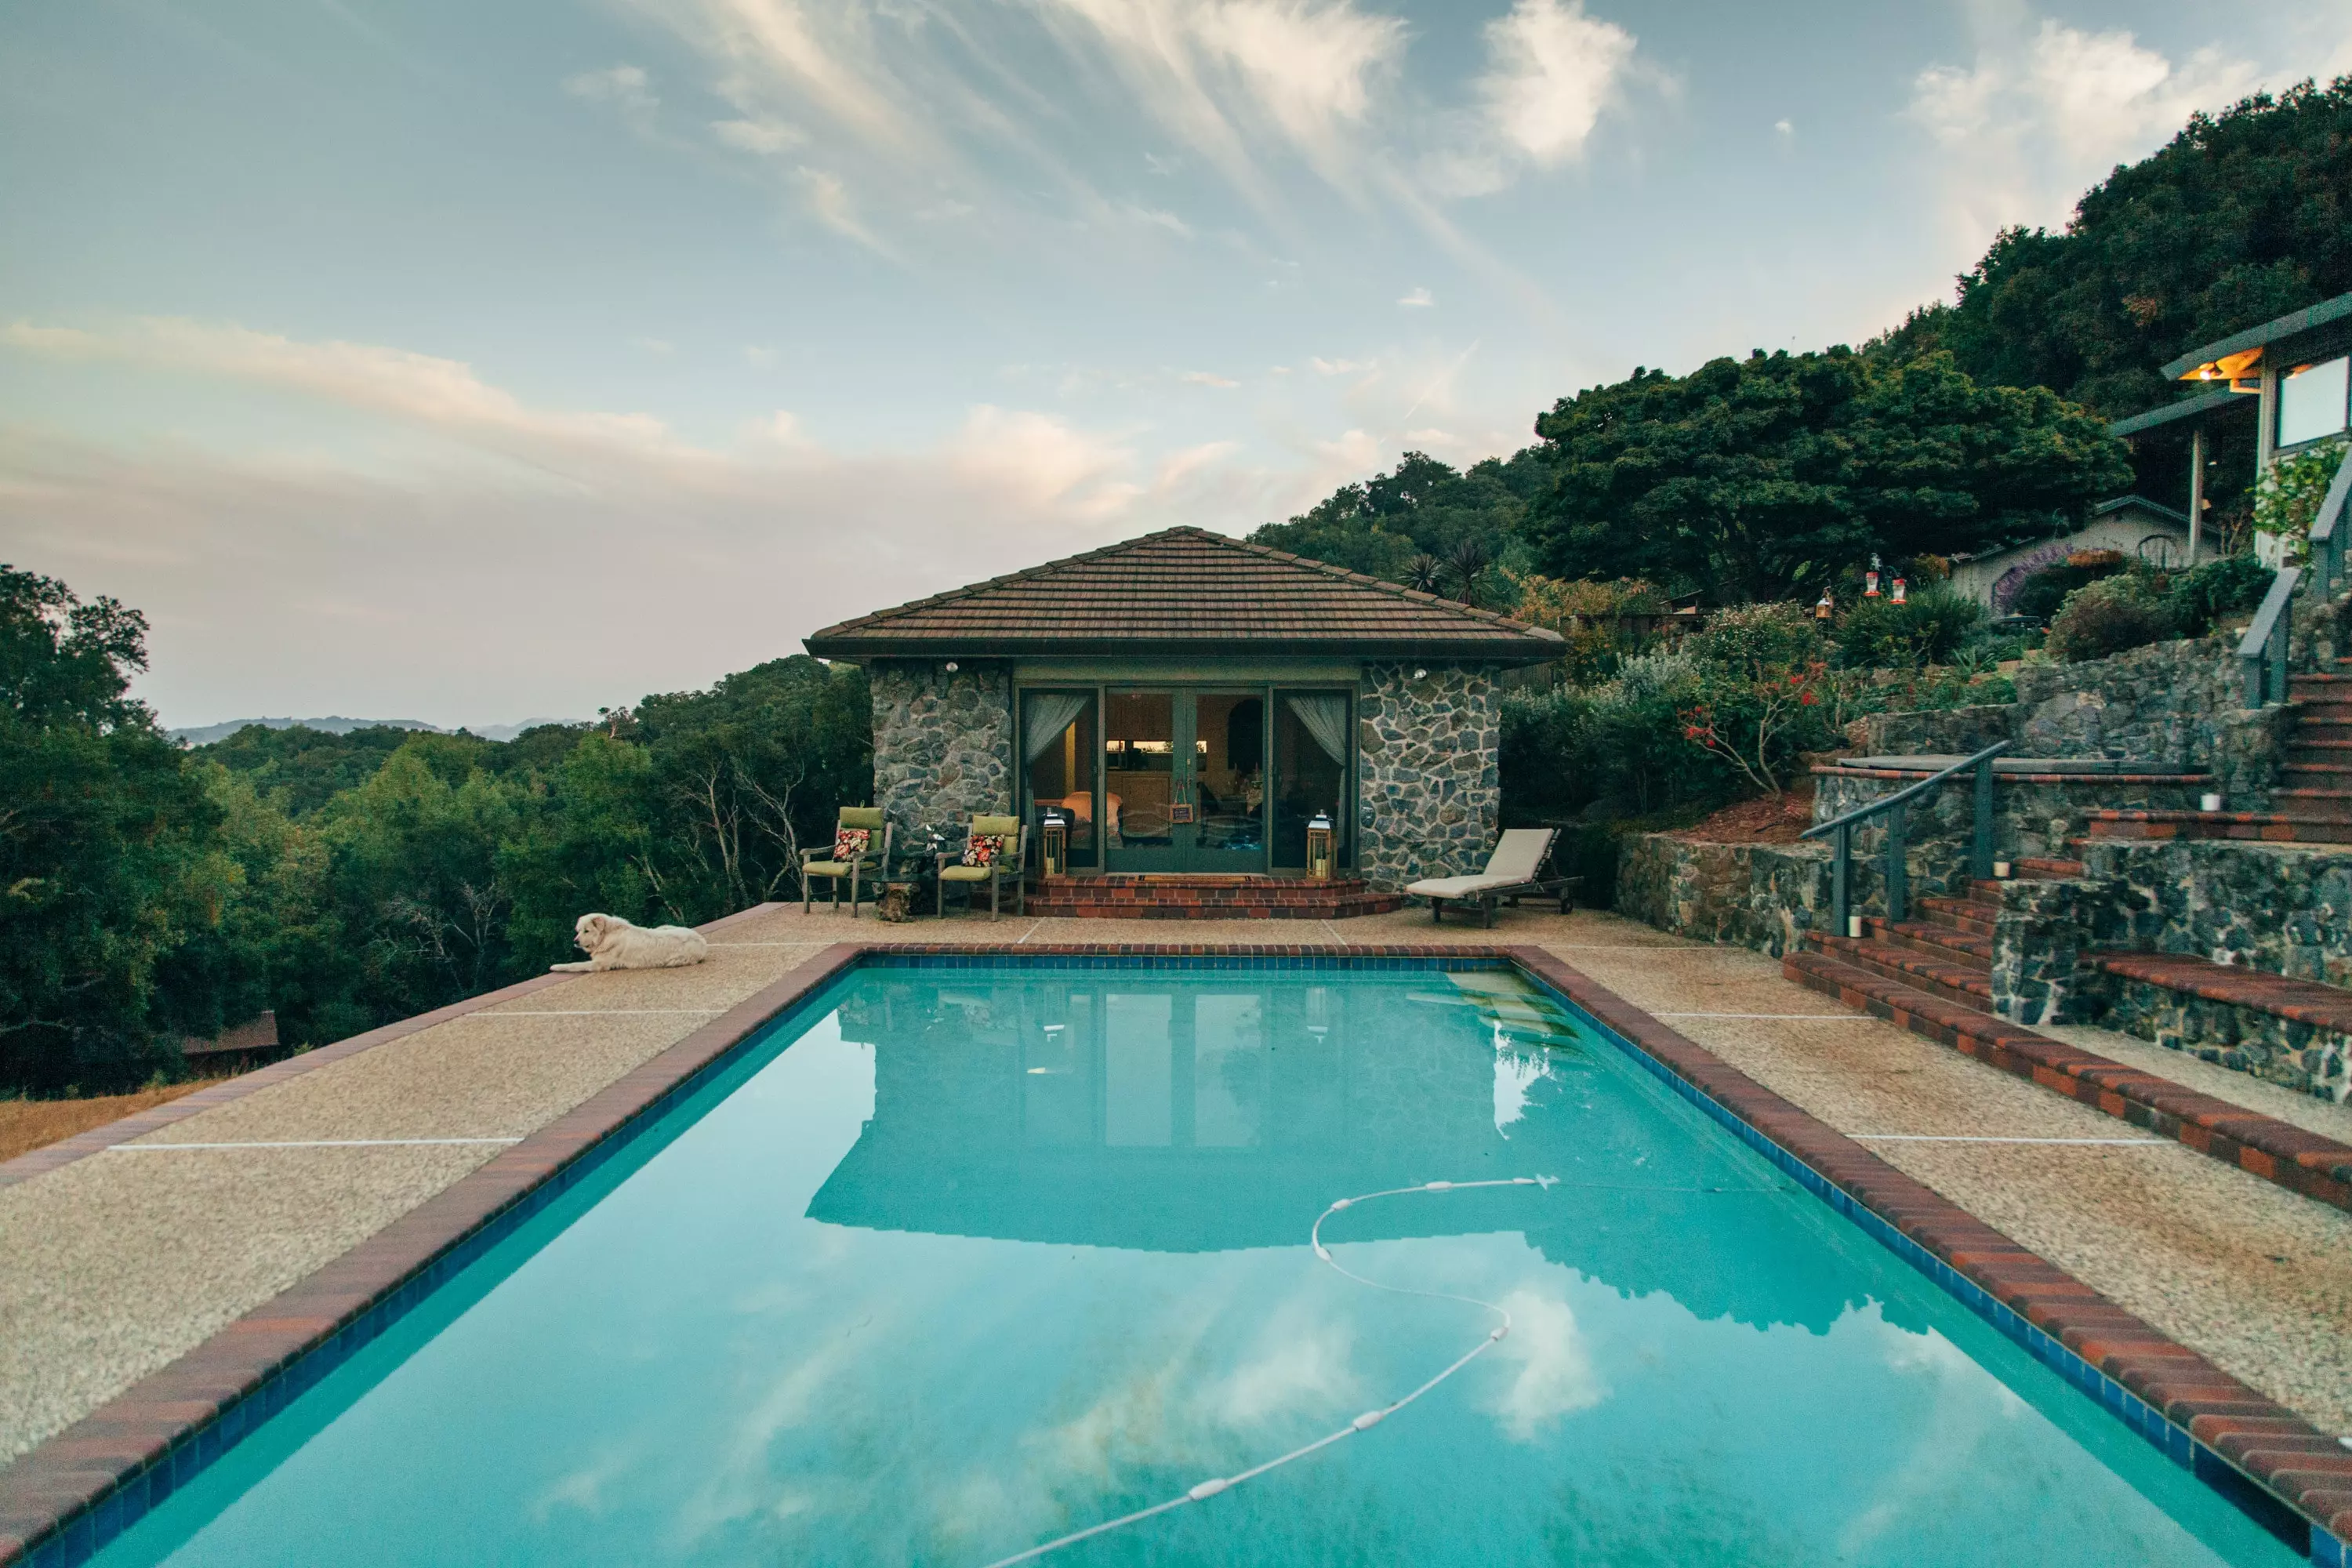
(1049,713)
(1324,715)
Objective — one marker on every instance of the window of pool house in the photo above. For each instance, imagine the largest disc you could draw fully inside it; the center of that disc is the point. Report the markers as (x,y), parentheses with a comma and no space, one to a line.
(1312,736)
(1057,741)
(2312,401)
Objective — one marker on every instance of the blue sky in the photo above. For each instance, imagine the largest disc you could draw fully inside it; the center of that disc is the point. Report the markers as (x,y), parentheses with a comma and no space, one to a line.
(466,362)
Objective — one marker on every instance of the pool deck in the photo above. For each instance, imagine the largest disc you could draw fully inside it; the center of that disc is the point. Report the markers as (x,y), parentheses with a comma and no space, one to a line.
(130,1247)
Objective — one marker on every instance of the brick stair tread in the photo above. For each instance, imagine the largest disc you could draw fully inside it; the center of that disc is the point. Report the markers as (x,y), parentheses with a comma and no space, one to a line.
(2308,1162)
(1968,914)
(2297,1001)
(1909,967)
(2038,867)
(1960,945)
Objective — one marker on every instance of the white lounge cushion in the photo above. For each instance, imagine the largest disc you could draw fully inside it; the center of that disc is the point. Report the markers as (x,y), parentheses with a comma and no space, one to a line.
(1517,855)
(1460,887)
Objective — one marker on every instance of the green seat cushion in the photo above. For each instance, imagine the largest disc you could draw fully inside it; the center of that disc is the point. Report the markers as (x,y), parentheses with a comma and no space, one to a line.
(963,873)
(832,869)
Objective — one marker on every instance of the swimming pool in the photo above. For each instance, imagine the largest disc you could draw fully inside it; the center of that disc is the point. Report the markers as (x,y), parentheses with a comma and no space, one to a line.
(959,1260)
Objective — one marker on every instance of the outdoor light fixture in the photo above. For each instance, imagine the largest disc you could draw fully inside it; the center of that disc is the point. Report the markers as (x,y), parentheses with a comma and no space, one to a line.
(1826,609)
(1318,847)
(1053,845)
(1420,674)
(951,667)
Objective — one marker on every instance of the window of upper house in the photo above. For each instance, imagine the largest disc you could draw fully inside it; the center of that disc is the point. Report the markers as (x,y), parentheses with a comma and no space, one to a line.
(2312,401)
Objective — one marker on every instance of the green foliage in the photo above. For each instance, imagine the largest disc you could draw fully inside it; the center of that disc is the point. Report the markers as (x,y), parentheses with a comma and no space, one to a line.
(2112,615)
(1772,476)
(1462,522)
(302,769)
(2041,594)
(1928,628)
(1590,617)
(107,844)
(1759,642)
(2287,500)
(2242,218)
(2205,594)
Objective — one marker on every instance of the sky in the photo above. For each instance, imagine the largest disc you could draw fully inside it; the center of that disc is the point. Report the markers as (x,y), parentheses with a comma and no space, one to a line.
(468,363)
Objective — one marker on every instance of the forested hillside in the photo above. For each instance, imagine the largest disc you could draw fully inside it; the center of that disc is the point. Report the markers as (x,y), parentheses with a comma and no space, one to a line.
(347,881)
(1974,423)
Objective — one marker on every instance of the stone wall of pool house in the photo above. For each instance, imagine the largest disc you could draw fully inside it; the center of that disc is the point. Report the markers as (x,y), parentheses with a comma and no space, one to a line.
(1430,796)
(942,743)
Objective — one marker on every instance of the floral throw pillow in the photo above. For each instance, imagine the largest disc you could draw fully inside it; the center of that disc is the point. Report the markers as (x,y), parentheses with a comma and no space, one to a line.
(849,844)
(982,849)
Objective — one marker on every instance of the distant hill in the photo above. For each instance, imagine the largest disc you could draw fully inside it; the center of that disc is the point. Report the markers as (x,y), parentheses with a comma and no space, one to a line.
(336,724)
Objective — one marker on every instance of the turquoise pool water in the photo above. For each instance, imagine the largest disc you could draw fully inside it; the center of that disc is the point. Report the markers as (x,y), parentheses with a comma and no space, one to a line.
(962,1260)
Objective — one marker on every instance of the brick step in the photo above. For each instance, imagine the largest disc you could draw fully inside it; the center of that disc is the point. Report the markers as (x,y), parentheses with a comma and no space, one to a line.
(2335,709)
(1953,944)
(2034,869)
(1939,977)
(2297,1001)
(2317,763)
(2306,1162)
(1337,910)
(2269,828)
(2303,799)
(1969,914)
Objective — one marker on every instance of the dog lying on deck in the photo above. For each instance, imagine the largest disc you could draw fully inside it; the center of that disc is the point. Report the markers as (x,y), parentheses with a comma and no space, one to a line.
(612,942)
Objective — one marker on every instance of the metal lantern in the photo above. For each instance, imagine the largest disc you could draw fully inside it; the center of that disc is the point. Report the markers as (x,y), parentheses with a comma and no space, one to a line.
(1318,847)
(1053,845)
(1826,609)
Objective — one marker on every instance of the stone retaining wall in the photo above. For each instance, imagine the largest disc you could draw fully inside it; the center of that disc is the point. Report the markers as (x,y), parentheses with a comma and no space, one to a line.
(1764,896)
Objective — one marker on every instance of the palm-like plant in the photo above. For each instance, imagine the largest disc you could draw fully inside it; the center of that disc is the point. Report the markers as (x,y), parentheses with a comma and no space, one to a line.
(1463,566)
(1424,573)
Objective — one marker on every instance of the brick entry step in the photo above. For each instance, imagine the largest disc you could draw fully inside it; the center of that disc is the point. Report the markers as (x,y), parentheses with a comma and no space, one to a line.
(2314,801)
(1195,898)
(1933,977)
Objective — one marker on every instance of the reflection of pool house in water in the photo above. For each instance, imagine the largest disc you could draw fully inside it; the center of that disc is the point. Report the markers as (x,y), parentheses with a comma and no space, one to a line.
(1191,704)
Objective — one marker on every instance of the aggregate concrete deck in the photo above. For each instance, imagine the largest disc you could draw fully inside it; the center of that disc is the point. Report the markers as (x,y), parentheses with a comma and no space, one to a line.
(124,1259)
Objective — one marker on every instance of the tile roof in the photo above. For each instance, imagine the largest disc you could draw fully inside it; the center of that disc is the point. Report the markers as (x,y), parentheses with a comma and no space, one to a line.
(1185,590)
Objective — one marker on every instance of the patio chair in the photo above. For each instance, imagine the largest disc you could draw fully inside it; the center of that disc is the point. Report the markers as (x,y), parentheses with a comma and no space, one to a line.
(860,851)
(993,865)
(1514,871)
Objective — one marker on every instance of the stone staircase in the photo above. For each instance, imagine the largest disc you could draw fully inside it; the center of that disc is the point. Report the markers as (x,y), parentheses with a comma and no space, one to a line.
(1933,976)
(2313,803)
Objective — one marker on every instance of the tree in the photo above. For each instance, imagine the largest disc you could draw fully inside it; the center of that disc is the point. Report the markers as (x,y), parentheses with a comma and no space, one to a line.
(2242,218)
(1779,474)
(1463,522)
(106,846)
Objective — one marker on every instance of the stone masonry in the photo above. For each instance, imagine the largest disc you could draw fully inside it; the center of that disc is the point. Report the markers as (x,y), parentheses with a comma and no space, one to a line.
(942,744)
(1431,797)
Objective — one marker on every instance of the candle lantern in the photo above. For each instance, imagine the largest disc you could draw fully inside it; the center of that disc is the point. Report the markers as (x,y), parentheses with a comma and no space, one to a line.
(1053,845)
(1318,847)
(1823,611)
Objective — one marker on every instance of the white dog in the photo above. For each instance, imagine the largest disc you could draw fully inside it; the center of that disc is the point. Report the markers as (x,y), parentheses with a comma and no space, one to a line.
(612,942)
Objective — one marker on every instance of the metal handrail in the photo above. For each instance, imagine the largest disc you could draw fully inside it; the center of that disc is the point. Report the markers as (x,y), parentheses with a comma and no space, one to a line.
(2263,649)
(1898,876)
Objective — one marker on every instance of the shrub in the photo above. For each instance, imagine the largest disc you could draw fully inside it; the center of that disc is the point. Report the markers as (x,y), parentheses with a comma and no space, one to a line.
(1590,616)
(2126,611)
(2288,497)
(1928,629)
(1758,639)
(2204,594)
(2041,594)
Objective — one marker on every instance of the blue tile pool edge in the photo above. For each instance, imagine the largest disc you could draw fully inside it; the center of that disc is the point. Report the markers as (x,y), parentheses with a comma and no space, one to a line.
(2178,1444)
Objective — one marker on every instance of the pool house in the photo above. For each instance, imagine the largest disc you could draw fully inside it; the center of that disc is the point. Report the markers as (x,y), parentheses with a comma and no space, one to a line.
(1190,705)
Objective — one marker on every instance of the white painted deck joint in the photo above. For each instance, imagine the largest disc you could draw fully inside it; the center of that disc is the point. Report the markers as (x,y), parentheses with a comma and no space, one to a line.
(1971,1138)
(1333,932)
(311,1143)
(1026,935)
(1811,1017)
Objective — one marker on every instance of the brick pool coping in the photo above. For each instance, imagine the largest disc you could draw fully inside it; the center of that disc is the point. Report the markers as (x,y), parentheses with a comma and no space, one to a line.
(71,1495)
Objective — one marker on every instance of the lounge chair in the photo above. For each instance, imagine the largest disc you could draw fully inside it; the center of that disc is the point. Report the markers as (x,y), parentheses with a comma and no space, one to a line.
(847,859)
(1004,862)
(1514,871)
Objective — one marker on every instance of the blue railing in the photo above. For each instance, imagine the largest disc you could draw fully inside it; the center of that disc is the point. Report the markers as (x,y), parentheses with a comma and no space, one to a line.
(2264,651)
(1898,873)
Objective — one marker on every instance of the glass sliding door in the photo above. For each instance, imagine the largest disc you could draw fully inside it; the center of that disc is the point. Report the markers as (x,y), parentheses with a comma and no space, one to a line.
(1228,784)
(1313,734)
(1057,745)
(1140,780)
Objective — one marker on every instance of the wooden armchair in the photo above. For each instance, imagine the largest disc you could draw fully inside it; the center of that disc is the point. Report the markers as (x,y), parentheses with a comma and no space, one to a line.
(1004,861)
(838,863)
